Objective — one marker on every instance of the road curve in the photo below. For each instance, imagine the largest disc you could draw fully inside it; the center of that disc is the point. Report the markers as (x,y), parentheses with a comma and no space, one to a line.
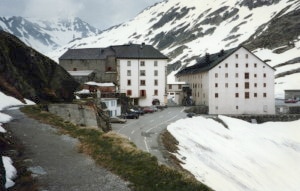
(145,131)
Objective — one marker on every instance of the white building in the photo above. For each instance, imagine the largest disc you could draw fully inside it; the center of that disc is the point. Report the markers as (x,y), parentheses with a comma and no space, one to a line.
(142,70)
(112,106)
(139,70)
(176,93)
(232,82)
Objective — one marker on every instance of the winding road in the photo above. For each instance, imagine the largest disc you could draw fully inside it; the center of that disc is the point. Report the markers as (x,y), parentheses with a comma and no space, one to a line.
(145,131)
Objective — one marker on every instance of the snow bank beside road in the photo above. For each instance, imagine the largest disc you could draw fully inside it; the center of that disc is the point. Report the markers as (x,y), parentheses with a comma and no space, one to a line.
(7,101)
(244,157)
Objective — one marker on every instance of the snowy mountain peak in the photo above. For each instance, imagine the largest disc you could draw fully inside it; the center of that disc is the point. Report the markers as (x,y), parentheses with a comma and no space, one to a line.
(47,35)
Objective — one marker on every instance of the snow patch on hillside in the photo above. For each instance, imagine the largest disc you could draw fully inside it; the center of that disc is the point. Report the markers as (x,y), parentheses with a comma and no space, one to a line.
(243,157)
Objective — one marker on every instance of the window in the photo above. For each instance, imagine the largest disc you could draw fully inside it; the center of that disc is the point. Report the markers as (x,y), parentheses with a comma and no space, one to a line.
(74,69)
(216,85)
(180,86)
(170,86)
(129,93)
(247,65)
(236,56)
(143,93)
(143,82)
(236,94)
(255,94)
(255,75)
(128,72)
(155,63)
(255,65)
(216,75)
(255,85)
(128,82)
(265,94)
(236,75)
(236,85)
(155,72)
(226,65)
(226,85)
(265,85)
(246,75)
(246,55)
(216,95)
(236,65)
(155,92)
(246,85)
(142,73)
(142,63)
(226,75)
(108,68)
(128,63)
(247,96)
(236,107)
(156,82)
(265,75)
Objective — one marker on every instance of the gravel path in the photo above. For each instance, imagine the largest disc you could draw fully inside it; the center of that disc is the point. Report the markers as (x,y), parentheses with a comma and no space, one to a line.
(55,161)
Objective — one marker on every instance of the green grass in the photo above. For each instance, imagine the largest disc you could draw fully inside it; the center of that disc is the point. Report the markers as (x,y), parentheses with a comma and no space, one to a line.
(121,157)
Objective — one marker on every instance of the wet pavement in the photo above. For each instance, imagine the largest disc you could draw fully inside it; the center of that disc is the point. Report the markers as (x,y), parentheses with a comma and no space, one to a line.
(54,159)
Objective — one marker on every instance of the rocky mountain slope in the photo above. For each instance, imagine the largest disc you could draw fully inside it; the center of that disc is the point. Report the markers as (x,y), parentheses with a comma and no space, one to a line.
(47,35)
(25,73)
(187,29)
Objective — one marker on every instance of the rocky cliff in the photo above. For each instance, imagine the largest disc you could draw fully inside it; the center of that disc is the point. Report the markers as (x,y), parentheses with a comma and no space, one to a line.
(25,73)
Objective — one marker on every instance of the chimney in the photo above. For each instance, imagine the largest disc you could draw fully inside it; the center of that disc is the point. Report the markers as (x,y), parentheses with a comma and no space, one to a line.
(207,58)
(142,45)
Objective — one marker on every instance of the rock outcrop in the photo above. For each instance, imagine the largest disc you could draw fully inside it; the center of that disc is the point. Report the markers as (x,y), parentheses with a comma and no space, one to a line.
(25,73)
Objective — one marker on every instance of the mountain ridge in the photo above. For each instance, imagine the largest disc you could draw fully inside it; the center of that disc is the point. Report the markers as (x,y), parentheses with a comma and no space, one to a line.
(47,35)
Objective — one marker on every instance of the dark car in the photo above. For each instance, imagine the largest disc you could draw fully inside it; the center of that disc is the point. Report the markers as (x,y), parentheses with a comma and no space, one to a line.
(190,115)
(137,111)
(131,115)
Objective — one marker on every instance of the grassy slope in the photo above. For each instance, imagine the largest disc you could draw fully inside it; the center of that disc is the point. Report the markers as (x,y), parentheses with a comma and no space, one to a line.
(121,157)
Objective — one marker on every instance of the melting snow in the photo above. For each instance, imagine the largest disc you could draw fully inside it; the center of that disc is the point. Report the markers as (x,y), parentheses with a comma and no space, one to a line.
(244,157)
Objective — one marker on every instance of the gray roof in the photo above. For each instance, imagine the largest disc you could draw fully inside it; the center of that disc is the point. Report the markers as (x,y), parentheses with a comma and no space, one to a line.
(87,54)
(138,51)
(130,51)
(209,61)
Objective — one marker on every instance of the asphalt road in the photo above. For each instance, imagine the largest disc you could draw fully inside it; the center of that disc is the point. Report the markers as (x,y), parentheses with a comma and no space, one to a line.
(54,159)
(145,131)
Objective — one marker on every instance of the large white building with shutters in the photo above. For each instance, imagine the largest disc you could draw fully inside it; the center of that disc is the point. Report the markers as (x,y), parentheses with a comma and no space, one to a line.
(231,82)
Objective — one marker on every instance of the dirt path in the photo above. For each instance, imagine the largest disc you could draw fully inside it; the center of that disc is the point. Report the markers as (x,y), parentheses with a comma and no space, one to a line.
(54,159)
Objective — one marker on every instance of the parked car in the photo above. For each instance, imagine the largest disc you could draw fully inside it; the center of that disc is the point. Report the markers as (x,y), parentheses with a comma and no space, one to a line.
(190,115)
(117,120)
(148,110)
(131,115)
(290,101)
(154,108)
(137,111)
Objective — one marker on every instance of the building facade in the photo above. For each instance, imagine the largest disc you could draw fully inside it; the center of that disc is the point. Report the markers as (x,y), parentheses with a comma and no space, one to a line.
(232,82)
(139,70)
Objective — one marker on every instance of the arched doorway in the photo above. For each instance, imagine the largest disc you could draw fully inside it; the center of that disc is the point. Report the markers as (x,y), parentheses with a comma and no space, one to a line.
(155,102)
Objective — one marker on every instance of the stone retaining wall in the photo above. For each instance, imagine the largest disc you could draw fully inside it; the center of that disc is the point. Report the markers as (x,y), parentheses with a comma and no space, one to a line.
(82,115)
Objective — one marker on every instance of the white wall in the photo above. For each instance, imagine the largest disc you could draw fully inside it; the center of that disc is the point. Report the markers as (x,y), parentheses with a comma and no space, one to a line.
(112,106)
(135,78)
(227,103)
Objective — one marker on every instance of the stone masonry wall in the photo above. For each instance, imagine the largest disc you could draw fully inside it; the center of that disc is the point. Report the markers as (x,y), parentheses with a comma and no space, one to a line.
(77,114)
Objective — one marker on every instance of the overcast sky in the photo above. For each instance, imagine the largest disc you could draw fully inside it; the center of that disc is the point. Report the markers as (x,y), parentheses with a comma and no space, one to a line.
(98,13)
